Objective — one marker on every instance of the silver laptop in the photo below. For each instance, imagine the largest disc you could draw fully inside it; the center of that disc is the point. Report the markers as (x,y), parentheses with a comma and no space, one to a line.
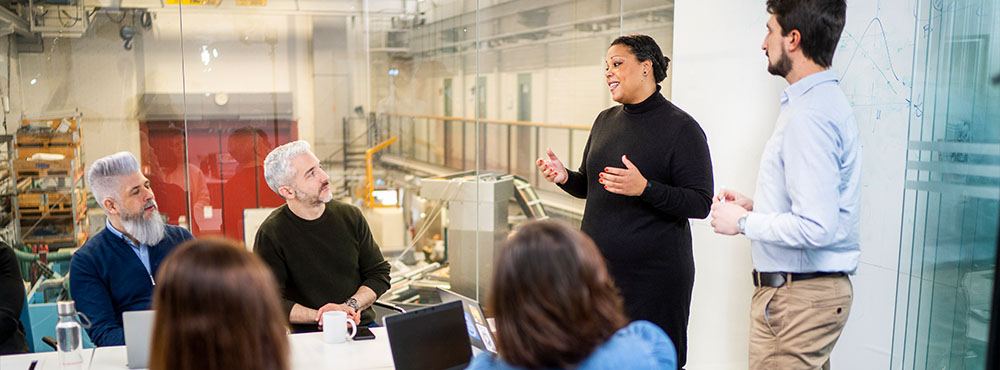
(480,334)
(138,326)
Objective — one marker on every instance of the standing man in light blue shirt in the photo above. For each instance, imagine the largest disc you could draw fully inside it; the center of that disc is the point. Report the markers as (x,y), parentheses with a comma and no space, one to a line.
(804,224)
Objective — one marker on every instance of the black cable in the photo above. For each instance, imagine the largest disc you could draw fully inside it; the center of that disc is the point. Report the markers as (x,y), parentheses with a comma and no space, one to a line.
(75,20)
(119,21)
(10,45)
(146,20)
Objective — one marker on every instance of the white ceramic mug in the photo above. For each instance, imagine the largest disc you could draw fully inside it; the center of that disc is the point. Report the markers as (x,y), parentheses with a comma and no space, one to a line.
(334,330)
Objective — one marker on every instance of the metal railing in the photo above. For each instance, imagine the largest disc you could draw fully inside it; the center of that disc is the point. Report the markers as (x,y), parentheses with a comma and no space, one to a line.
(405,126)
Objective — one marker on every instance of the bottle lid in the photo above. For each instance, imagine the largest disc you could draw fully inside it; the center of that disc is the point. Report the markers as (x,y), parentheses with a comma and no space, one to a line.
(66,308)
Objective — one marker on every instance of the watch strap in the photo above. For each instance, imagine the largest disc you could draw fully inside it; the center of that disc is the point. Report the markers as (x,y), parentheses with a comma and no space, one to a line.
(742,223)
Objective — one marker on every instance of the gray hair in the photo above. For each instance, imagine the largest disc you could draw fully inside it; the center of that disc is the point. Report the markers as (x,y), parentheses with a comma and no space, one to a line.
(278,169)
(105,173)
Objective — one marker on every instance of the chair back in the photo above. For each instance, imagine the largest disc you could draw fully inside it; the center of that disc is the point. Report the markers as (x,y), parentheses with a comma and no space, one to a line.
(26,322)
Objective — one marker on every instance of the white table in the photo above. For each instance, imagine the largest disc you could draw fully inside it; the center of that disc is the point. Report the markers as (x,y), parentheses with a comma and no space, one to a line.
(308,352)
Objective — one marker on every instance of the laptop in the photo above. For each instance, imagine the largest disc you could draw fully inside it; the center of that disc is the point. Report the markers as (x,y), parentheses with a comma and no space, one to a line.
(431,338)
(138,327)
(479,330)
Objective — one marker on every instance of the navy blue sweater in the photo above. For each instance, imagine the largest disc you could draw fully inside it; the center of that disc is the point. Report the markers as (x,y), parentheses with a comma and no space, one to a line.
(107,278)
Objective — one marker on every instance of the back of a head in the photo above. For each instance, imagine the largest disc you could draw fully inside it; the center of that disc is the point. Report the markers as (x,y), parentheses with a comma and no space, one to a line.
(217,308)
(553,298)
(103,176)
(820,22)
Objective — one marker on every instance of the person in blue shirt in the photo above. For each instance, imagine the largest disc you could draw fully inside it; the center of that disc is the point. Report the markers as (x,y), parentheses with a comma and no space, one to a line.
(115,270)
(803,224)
(555,306)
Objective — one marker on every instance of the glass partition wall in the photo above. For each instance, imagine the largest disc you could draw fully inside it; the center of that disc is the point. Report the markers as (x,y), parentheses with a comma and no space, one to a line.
(952,193)
(428,115)
(475,92)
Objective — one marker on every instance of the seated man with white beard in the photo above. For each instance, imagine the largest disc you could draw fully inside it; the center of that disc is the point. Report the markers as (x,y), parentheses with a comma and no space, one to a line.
(115,270)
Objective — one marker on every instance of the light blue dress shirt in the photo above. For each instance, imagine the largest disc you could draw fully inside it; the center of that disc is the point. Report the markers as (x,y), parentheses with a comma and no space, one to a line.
(141,251)
(806,209)
(640,345)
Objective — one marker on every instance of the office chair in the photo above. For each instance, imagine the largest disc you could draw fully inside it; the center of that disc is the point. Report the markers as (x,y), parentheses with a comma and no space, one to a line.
(26,321)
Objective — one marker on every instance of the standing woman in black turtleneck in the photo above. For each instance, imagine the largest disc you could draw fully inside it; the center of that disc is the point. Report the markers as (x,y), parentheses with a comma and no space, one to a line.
(646,170)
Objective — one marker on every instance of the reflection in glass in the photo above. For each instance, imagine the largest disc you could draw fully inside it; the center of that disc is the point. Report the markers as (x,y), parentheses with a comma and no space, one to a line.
(952,197)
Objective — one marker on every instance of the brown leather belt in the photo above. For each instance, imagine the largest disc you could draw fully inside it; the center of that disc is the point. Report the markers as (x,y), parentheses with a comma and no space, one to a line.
(778,279)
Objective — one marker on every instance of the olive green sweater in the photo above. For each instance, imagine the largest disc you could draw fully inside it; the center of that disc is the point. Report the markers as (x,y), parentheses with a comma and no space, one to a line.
(322,261)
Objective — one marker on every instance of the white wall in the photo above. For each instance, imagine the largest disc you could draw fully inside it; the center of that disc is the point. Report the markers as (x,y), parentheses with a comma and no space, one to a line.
(720,78)
(93,74)
(332,82)
(243,54)
(235,54)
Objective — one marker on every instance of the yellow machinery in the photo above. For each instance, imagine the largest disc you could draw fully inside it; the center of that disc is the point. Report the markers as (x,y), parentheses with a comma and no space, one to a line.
(369,180)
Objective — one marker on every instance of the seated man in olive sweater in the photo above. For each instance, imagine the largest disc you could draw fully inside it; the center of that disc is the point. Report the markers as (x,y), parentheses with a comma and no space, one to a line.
(321,251)
(115,270)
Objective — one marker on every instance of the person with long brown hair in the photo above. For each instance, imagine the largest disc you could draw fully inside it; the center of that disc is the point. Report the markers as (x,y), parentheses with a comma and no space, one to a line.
(217,307)
(555,306)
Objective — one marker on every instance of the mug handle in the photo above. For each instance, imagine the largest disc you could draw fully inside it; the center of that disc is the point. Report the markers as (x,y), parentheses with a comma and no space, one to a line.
(354,328)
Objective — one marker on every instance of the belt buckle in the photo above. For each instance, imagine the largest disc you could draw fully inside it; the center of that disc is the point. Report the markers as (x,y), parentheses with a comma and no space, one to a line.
(781,279)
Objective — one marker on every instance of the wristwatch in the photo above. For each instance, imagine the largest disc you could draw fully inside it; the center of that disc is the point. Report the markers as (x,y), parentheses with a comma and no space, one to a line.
(353,303)
(742,224)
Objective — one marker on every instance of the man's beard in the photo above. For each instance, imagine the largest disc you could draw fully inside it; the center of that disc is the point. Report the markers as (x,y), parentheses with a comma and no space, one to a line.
(783,66)
(146,231)
(314,200)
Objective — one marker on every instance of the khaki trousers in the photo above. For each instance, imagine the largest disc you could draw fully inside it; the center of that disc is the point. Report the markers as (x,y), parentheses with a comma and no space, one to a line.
(796,326)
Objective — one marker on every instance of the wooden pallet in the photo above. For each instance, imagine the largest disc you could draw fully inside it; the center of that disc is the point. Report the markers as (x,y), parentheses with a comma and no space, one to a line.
(61,240)
(51,200)
(25,152)
(47,139)
(52,231)
(53,124)
(67,167)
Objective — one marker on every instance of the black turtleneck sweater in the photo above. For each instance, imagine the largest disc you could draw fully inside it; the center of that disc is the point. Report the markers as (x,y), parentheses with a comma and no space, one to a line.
(646,239)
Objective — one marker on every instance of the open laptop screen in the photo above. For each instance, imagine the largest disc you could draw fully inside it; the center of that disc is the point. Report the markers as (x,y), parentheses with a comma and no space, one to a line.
(429,338)
(138,328)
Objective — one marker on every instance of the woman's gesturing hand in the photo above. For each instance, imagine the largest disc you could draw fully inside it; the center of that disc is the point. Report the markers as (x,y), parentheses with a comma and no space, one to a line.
(624,181)
(552,168)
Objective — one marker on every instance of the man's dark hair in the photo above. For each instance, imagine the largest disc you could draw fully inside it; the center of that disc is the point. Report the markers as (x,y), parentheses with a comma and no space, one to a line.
(820,23)
(644,48)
